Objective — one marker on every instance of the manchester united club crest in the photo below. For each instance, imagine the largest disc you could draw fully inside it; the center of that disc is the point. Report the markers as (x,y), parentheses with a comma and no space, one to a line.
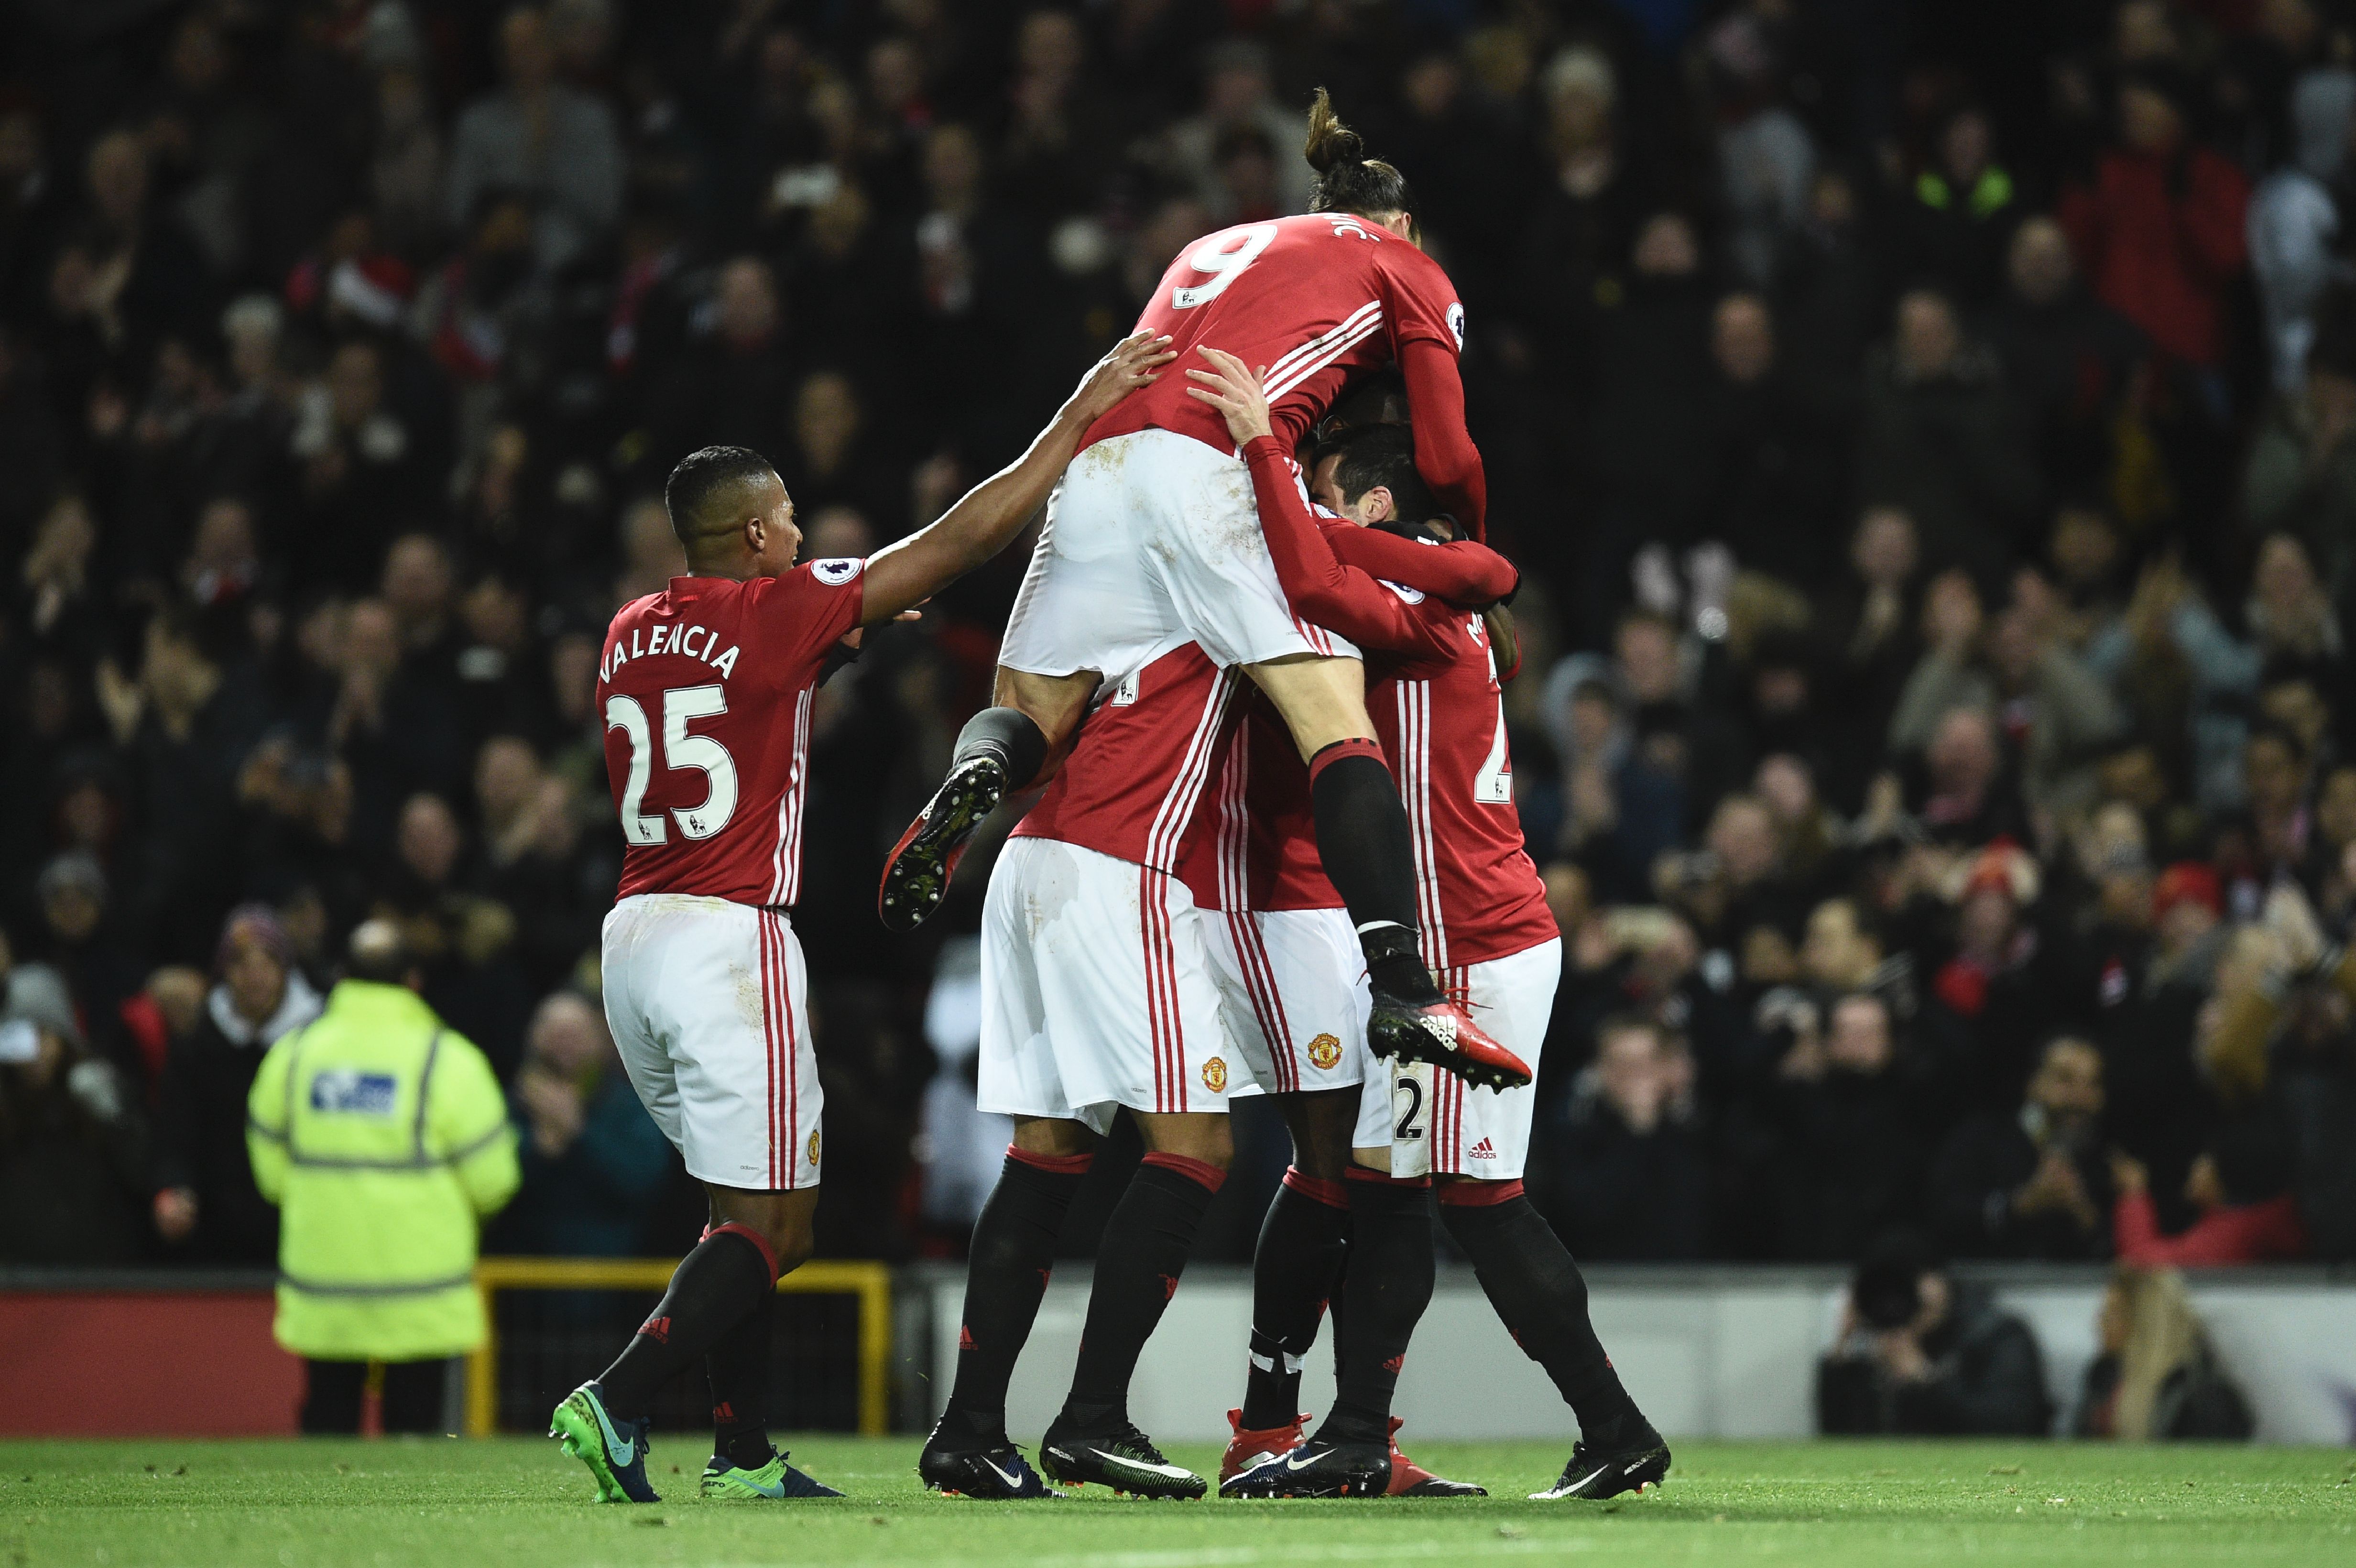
(1325,1050)
(813,1147)
(1215,1076)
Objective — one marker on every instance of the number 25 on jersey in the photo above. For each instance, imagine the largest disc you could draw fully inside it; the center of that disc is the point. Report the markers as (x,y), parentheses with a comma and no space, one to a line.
(680,750)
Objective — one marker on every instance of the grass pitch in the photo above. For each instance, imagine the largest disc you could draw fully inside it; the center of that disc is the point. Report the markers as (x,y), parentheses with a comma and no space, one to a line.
(513,1502)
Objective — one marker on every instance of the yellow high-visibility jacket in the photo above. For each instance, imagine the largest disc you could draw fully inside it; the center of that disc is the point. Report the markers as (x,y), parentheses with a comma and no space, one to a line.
(383,1138)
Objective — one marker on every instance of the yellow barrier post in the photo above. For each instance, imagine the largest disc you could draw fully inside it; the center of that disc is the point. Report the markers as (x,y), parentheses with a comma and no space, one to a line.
(870,1282)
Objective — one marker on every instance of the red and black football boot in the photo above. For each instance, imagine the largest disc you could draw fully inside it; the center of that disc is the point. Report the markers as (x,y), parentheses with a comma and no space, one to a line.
(1248,1447)
(1317,1468)
(1443,1034)
(1410,1480)
(917,874)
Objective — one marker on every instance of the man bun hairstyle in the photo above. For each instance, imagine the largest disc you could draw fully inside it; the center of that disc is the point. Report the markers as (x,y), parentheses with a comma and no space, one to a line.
(1348,180)
(703,474)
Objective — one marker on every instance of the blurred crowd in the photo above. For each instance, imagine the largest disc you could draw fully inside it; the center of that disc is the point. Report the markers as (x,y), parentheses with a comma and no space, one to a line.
(1925,431)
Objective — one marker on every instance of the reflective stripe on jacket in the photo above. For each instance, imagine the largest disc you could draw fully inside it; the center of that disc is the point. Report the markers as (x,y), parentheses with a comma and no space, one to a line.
(384,1139)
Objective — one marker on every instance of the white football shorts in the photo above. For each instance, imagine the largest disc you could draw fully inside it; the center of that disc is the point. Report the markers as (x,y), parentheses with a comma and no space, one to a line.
(1097,990)
(1433,1122)
(708,1002)
(1293,982)
(1153,537)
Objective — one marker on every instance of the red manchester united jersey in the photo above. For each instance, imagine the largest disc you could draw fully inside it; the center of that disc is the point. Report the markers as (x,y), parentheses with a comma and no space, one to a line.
(1315,298)
(706,692)
(1136,778)
(1442,722)
(1254,844)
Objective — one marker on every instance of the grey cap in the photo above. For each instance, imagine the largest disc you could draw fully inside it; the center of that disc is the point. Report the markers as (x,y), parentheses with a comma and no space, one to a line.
(38,996)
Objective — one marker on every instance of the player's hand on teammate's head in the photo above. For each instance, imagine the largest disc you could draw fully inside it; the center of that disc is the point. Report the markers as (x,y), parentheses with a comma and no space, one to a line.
(1230,387)
(1130,365)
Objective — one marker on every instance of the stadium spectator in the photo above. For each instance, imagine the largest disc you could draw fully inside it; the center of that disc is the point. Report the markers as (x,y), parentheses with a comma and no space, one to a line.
(2157,1375)
(2159,227)
(1850,1104)
(1942,437)
(2240,1187)
(1922,1354)
(593,1163)
(207,1207)
(1624,1174)
(542,135)
(73,1144)
(2032,1184)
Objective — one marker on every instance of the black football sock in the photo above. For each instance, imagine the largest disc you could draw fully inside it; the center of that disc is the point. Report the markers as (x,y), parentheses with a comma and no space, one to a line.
(1386,1286)
(1541,1297)
(1369,857)
(1294,1268)
(729,1274)
(738,1367)
(1013,1253)
(1009,735)
(1146,1241)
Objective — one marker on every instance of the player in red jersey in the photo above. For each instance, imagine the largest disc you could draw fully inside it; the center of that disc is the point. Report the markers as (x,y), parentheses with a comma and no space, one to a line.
(706,692)
(1438,703)
(1152,542)
(1098,995)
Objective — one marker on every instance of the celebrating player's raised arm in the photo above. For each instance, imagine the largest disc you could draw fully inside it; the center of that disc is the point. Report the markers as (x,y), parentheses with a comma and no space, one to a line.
(905,574)
(1320,587)
(1444,453)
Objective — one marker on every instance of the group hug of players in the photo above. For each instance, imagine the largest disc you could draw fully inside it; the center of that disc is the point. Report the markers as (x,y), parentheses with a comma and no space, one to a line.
(1254,675)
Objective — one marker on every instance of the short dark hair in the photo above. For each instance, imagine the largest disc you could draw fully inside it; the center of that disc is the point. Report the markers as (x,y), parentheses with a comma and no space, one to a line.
(378,951)
(1348,180)
(702,474)
(1382,455)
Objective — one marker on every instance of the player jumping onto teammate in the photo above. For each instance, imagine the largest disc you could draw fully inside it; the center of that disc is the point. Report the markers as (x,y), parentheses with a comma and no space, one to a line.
(1486,928)
(706,690)
(1152,535)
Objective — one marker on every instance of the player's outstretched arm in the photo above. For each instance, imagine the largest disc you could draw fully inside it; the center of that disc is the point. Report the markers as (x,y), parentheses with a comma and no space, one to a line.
(1444,453)
(905,574)
(1463,571)
(1319,587)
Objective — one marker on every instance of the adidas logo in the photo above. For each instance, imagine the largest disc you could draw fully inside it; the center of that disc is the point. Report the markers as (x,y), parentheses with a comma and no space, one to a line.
(965,1337)
(1169,1285)
(1395,1363)
(1482,1150)
(657,1328)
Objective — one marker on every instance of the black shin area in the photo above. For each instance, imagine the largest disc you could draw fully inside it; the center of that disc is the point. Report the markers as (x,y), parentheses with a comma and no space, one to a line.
(714,1288)
(1009,735)
(1387,1286)
(738,1367)
(1541,1297)
(1369,856)
(1013,1254)
(1146,1241)
(1302,1244)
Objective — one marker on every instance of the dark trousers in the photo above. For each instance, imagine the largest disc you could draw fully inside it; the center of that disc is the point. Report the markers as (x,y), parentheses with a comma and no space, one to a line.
(332,1394)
